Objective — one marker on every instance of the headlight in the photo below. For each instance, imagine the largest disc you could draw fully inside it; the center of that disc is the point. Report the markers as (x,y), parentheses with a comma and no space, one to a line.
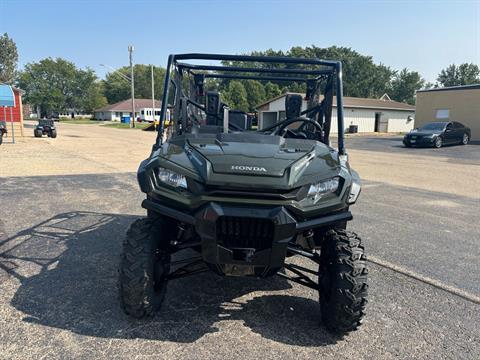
(321,188)
(354,192)
(171,178)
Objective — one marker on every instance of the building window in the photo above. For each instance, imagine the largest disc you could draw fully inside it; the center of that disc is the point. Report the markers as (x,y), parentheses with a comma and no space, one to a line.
(442,114)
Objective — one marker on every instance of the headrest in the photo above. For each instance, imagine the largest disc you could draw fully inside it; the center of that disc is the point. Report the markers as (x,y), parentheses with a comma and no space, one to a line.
(212,103)
(238,118)
(293,105)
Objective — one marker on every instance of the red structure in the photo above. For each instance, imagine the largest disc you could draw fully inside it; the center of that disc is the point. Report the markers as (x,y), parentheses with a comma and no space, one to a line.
(17,113)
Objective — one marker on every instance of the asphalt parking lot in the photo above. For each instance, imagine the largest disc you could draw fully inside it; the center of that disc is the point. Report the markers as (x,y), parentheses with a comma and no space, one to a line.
(67,202)
(393,144)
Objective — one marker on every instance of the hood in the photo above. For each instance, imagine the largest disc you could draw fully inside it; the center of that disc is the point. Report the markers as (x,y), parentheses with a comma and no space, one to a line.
(249,160)
(252,154)
(252,159)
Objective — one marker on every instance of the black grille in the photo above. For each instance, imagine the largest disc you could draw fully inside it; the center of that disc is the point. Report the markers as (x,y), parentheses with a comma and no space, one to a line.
(253,193)
(242,232)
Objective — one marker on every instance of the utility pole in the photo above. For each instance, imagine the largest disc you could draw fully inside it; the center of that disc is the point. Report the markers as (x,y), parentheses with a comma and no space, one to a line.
(153,97)
(130,50)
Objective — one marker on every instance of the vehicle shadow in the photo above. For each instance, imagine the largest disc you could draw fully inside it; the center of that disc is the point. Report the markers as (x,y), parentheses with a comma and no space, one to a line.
(67,270)
(430,148)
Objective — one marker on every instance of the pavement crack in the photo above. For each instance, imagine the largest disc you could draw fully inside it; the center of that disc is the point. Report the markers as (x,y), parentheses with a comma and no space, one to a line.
(425,279)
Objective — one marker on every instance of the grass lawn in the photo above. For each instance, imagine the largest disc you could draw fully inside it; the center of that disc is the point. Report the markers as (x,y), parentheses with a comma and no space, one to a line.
(119,125)
(80,121)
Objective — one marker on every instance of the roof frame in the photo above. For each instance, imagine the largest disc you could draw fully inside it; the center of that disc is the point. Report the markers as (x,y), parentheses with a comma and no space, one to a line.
(249,58)
(253,70)
(332,68)
(260,78)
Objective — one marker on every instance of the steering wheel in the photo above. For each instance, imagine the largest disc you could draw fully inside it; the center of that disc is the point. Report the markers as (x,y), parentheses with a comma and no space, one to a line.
(283,130)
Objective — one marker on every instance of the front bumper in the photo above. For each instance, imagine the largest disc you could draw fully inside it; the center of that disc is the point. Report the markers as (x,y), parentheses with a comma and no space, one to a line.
(245,241)
(44,129)
(419,141)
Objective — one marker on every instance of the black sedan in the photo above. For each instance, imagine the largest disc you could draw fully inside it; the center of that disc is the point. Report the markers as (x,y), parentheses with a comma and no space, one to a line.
(437,134)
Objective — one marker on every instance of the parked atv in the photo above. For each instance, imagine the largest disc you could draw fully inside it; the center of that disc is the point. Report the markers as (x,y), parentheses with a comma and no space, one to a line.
(45,127)
(246,200)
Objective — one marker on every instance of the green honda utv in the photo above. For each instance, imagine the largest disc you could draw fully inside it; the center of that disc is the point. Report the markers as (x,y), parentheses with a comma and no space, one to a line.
(247,199)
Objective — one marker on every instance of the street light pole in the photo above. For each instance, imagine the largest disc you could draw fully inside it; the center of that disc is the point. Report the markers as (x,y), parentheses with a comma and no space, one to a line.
(153,97)
(130,50)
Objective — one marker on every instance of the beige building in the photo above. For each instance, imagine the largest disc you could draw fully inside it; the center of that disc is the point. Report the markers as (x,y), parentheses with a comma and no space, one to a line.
(456,103)
(369,115)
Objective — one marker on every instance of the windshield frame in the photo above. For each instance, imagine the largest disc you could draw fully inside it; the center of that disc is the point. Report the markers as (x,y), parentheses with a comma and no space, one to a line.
(330,71)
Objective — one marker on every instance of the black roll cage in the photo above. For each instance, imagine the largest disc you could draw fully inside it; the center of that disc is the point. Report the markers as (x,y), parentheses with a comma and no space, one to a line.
(330,71)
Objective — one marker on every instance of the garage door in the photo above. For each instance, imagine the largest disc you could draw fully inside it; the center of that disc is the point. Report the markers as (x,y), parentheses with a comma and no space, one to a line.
(269,118)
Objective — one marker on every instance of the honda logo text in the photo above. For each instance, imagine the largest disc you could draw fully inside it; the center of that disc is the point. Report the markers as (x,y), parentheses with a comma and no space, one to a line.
(248,168)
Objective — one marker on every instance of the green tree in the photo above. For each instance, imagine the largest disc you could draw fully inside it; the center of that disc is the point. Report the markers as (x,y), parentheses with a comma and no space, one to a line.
(117,88)
(464,74)
(55,85)
(255,93)
(429,85)
(361,76)
(272,90)
(236,96)
(89,92)
(8,59)
(404,85)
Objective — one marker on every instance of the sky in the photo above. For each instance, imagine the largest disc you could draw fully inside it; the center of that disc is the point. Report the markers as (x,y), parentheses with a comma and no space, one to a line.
(425,36)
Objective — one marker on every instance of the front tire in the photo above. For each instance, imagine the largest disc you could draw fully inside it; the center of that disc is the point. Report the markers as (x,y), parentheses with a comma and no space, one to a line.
(342,281)
(144,268)
(53,134)
(465,139)
(37,133)
(438,142)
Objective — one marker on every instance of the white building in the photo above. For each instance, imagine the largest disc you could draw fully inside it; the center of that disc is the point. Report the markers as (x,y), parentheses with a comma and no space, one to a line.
(72,114)
(370,115)
(117,111)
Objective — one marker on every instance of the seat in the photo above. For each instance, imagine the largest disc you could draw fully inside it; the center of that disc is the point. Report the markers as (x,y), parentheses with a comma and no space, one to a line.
(239,119)
(212,107)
